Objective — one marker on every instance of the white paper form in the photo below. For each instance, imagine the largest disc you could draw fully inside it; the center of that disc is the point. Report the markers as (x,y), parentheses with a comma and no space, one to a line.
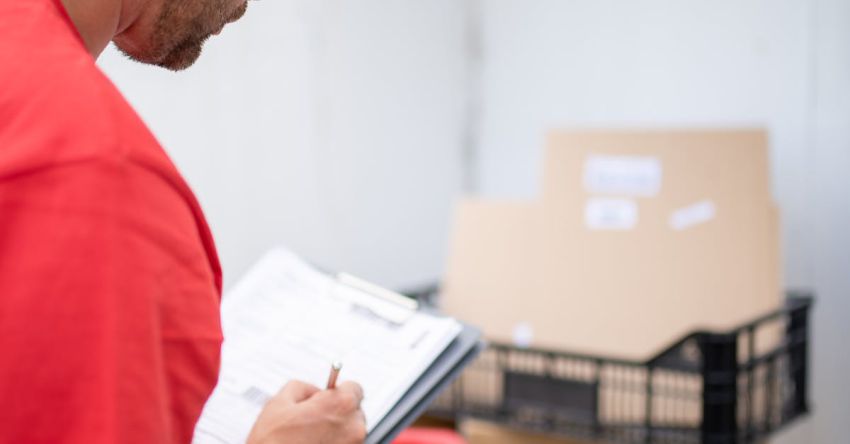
(285,320)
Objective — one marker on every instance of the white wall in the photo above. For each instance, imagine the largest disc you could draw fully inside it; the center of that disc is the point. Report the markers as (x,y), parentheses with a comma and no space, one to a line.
(831,221)
(782,64)
(330,126)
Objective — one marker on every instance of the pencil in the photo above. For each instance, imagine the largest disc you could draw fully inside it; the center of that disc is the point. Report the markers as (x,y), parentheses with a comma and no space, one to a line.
(336,366)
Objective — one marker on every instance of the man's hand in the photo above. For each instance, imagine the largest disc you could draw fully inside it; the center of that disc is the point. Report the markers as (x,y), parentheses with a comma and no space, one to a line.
(302,413)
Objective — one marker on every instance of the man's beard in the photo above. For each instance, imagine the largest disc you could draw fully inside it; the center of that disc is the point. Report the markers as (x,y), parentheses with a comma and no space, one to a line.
(181,30)
(183,54)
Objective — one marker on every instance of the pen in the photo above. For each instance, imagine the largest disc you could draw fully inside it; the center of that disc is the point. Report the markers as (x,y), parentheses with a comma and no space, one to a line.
(335,368)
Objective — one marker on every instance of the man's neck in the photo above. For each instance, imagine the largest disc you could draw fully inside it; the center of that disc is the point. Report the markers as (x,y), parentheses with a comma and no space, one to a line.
(98,21)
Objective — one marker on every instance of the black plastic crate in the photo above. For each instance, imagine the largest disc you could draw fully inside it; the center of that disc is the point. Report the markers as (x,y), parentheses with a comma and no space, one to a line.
(731,387)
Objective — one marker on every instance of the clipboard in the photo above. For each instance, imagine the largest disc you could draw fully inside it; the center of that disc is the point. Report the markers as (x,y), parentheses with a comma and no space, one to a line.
(271,323)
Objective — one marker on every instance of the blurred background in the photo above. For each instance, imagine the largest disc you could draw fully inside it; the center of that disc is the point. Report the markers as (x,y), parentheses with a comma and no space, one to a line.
(348,129)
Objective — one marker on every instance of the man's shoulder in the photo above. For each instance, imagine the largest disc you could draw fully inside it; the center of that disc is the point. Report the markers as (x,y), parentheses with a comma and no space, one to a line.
(56,105)
(71,115)
(76,121)
(58,110)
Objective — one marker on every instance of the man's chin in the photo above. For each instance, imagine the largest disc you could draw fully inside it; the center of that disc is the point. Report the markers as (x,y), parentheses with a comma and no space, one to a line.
(182,57)
(178,58)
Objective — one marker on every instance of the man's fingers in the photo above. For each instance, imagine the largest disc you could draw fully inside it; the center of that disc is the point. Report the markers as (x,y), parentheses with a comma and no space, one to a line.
(358,426)
(353,389)
(296,391)
(343,400)
(361,417)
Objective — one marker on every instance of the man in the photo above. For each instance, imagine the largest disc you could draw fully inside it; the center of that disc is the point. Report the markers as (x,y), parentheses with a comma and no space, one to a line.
(109,279)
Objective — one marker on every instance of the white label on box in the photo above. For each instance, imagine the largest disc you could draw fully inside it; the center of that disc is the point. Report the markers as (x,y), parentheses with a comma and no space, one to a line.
(523,335)
(698,213)
(626,175)
(610,214)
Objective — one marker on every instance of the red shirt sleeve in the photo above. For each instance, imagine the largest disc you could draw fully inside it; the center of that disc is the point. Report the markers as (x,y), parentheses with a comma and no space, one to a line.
(109,324)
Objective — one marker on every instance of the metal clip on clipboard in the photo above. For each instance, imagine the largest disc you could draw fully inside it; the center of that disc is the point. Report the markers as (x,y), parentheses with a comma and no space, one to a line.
(386,304)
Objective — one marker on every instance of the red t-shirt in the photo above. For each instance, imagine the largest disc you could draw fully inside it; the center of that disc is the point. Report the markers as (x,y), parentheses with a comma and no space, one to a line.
(109,279)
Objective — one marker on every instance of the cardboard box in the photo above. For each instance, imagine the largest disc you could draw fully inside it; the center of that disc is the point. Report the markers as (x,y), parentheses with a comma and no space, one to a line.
(639,238)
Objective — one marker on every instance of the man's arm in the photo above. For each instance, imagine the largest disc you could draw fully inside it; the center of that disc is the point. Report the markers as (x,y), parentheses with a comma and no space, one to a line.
(100,337)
